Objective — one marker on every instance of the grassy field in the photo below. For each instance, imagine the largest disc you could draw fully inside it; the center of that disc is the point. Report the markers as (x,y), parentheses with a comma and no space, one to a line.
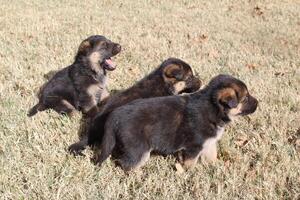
(256,41)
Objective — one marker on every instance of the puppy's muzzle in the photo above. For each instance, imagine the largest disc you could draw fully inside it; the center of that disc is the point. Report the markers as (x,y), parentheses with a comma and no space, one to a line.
(250,106)
(193,84)
(116,49)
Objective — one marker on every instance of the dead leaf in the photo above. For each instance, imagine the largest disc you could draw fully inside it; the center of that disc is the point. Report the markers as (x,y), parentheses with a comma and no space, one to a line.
(257,11)
(241,141)
(251,66)
(198,39)
(213,54)
(279,73)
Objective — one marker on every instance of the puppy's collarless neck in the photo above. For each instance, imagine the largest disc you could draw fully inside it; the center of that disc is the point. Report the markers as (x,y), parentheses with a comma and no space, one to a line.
(153,86)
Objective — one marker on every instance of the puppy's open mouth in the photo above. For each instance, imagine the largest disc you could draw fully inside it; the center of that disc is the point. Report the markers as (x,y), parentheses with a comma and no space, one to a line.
(108,64)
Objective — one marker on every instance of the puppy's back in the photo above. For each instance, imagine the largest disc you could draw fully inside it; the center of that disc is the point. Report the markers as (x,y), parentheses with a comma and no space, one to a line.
(163,112)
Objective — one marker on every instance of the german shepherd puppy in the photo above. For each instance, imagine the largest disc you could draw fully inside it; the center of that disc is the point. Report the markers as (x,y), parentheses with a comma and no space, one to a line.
(81,85)
(190,123)
(173,76)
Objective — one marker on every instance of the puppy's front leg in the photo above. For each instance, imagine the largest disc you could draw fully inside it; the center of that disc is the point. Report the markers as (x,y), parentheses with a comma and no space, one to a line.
(209,152)
(191,156)
(87,102)
(104,95)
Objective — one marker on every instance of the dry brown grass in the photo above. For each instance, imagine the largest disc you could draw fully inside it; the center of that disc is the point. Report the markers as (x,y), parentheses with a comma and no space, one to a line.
(257,41)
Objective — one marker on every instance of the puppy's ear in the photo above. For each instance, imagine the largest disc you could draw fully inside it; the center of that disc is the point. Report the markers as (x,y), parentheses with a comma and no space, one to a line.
(227,98)
(84,47)
(174,71)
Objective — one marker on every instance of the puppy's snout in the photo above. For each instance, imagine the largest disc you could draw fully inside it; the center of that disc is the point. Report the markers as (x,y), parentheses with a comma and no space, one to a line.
(116,49)
(196,83)
(193,84)
(251,106)
(254,103)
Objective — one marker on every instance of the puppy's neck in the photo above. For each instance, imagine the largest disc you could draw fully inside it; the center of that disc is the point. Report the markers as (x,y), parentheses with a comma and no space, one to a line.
(209,109)
(93,59)
(151,86)
(91,62)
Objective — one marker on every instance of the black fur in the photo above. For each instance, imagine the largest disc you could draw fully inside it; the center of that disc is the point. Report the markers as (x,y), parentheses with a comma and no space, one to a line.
(81,85)
(171,124)
(158,83)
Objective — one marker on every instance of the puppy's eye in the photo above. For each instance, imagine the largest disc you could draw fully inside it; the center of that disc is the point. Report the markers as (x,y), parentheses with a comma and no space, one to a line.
(245,99)
(104,45)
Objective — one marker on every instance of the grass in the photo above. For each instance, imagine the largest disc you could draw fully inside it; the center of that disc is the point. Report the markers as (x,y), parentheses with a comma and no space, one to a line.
(256,41)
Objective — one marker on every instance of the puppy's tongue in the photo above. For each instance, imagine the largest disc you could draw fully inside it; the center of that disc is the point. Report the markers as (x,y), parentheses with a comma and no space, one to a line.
(109,64)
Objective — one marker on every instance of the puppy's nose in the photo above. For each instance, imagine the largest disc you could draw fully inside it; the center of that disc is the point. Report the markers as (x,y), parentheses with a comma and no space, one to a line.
(117,48)
(254,103)
(199,82)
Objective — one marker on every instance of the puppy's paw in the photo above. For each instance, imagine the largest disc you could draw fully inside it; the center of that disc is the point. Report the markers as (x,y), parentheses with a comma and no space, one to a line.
(179,168)
(76,149)
(209,158)
(96,160)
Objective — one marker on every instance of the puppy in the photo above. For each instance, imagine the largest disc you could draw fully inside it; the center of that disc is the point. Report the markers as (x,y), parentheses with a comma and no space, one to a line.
(81,85)
(173,76)
(190,123)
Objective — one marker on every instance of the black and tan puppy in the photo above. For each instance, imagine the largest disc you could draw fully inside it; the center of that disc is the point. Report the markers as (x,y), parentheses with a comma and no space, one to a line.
(173,76)
(81,85)
(190,123)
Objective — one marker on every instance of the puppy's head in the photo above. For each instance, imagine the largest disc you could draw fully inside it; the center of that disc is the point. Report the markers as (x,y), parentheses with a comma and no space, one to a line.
(178,76)
(231,96)
(99,50)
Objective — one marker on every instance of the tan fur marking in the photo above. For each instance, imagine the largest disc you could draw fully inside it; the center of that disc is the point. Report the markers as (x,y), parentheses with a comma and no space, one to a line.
(241,91)
(84,45)
(169,69)
(190,163)
(93,89)
(104,94)
(142,162)
(179,86)
(235,111)
(209,153)
(209,150)
(226,93)
(94,59)
(69,106)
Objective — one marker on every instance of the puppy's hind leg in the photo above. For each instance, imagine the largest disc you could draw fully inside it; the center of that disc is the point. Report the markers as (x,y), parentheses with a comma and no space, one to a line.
(64,107)
(191,156)
(135,157)
(38,107)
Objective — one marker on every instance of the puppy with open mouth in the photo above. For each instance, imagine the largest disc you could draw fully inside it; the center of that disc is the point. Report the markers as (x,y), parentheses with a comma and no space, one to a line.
(173,76)
(81,85)
(191,124)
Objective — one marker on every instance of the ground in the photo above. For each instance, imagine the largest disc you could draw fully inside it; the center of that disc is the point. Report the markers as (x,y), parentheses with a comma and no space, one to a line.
(256,41)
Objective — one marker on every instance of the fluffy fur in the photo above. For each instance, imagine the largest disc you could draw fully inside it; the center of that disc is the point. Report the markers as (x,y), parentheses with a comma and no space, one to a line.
(191,124)
(81,85)
(173,76)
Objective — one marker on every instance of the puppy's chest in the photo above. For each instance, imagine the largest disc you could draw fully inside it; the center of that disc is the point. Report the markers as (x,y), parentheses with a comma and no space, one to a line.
(100,79)
(213,140)
(97,90)
(219,132)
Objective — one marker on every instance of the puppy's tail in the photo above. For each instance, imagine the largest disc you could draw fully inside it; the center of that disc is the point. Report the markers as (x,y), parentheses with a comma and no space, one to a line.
(106,147)
(96,130)
(35,109)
